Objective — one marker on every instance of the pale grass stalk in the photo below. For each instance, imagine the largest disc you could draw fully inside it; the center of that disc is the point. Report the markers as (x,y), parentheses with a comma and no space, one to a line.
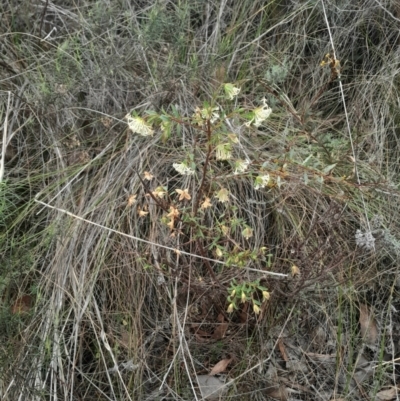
(4,144)
(108,348)
(182,339)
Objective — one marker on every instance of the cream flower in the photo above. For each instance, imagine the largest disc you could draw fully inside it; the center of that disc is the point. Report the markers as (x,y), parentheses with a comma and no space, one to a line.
(223,195)
(139,126)
(260,114)
(231,91)
(183,168)
(210,113)
(223,151)
(241,166)
(262,181)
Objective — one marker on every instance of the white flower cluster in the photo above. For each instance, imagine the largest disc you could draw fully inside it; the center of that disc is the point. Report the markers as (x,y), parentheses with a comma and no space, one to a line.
(139,126)
(231,91)
(183,168)
(241,166)
(260,114)
(211,113)
(262,181)
(223,151)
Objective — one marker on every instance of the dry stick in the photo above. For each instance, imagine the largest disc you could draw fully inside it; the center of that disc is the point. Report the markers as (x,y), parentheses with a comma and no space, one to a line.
(153,243)
(42,19)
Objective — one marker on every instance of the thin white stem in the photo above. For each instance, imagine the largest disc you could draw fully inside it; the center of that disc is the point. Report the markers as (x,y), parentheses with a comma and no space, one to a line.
(177,251)
(4,144)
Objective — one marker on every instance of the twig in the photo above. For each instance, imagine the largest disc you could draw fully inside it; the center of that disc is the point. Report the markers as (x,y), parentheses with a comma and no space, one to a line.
(200,191)
(42,19)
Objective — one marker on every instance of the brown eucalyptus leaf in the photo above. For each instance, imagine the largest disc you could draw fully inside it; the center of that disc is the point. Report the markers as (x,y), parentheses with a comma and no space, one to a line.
(279,393)
(220,366)
(220,331)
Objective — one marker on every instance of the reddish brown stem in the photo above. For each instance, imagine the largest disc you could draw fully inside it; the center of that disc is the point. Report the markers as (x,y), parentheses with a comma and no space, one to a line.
(200,193)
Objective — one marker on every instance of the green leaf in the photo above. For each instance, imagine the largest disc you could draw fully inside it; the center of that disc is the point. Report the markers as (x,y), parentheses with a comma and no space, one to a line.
(329,168)
(308,158)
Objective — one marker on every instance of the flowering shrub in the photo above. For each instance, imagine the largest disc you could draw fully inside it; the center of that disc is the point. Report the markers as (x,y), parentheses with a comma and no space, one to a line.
(219,125)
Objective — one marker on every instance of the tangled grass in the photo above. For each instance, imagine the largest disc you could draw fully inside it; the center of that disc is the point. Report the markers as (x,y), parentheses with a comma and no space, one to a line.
(99,301)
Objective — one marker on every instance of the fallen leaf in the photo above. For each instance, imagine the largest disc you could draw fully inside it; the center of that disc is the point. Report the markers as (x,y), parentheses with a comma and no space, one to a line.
(220,366)
(278,392)
(282,349)
(368,327)
(200,332)
(211,387)
(22,305)
(244,315)
(220,331)
(386,395)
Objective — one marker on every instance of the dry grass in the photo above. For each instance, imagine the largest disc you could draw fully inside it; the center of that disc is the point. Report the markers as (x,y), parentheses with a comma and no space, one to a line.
(89,310)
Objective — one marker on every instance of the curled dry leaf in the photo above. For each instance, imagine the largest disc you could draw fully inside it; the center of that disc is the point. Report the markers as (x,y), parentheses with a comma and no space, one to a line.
(220,366)
(277,392)
(220,331)
(386,395)
(368,327)
(282,349)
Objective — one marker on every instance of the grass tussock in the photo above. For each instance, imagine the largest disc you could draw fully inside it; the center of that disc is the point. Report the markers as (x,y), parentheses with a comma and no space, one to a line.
(158,224)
